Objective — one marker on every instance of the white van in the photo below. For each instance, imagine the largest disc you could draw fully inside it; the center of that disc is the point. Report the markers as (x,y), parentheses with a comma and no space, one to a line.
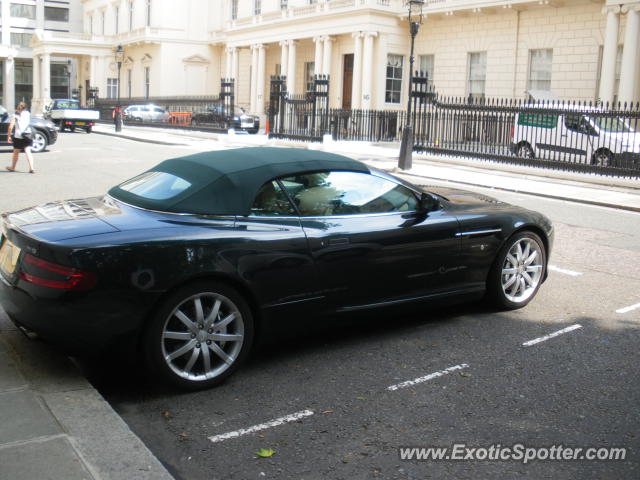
(587,137)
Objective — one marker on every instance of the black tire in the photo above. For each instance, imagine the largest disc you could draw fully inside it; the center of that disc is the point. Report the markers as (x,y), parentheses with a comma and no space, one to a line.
(197,347)
(39,141)
(87,129)
(602,158)
(512,273)
(524,150)
(72,128)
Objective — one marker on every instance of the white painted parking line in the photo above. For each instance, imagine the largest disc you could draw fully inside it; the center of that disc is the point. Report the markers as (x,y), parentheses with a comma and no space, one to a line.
(571,273)
(628,309)
(426,378)
(552,335)
(263,426)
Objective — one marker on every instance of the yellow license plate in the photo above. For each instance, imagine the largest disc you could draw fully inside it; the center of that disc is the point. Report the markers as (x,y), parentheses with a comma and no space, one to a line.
(80,123)
(9,254)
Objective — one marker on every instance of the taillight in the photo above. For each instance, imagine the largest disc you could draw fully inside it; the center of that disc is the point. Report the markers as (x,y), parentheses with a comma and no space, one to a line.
(48,274)
(512,130)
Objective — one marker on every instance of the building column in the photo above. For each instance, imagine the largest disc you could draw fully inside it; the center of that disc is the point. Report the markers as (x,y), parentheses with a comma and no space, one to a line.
(229,65)
(36,101)
(326,56)
(367,70)
(9,84)
(262,66)
(291,68)
(284,57)
(629,70)
(46,78)
(254,78)
(609,53)
(235,65)
(356,88)
(317,66)
(92,72)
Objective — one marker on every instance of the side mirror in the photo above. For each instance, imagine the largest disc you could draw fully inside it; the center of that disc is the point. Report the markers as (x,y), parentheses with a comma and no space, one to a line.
(428,202)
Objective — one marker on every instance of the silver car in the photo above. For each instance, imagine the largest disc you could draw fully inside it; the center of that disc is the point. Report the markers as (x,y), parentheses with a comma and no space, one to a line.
(146,113)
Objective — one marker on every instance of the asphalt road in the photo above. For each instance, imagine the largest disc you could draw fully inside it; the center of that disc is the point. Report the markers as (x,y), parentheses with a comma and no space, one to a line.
(319,395)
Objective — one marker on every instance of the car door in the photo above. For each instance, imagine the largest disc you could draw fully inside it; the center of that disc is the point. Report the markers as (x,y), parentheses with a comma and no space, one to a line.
(369,241)
(575,138)
(274,259)
(5,119)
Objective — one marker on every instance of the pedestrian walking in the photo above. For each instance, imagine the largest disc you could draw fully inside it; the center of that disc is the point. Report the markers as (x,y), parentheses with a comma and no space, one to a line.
(19,134)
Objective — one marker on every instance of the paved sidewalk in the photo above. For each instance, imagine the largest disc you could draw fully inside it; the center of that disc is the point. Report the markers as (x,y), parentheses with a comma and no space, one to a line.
(55,426)
(577,187)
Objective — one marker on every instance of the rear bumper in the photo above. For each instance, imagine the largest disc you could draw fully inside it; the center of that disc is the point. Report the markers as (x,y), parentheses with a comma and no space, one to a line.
(81,324)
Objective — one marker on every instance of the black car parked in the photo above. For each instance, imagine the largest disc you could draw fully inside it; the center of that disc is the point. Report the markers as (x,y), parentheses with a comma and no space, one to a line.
(221,116)
(188,260)
(44,131)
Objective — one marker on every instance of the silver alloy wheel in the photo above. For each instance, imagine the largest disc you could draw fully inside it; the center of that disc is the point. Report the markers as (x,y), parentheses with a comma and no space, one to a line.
(602,158)
(38,143)
(522,270)
(202,337)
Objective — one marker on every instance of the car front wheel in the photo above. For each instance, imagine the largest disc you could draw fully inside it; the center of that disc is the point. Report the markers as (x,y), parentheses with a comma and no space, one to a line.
(199,336)
(518,271)
(38,142)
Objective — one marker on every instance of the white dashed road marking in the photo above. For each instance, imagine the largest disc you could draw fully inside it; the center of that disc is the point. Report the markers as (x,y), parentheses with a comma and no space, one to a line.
(426,378)
(552,335)
(553,268)
(263,426)
(628,309)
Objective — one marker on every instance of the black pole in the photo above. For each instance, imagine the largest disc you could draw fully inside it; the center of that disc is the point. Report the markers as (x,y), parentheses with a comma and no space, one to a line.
(118,112)
(406,145)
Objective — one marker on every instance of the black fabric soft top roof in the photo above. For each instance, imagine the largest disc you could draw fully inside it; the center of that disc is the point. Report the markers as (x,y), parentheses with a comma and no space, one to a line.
(225,182)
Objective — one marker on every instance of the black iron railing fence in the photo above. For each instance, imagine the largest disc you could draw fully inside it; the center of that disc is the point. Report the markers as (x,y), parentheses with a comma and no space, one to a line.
(578,136)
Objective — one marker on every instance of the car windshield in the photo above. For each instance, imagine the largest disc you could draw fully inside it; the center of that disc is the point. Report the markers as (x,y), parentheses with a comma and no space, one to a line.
(156,185)
(67,104)
(612,124)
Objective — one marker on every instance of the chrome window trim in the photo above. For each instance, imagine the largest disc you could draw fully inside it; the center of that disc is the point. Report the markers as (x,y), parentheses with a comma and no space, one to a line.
(478,232)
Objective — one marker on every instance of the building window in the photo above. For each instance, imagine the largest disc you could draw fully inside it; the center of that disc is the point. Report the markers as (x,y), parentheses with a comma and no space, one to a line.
(147,81)
(112,88)
(540,62)
(23,80)
(148,14)
(102,15)
(23,11)
(477,74)
(116,18)
(130,15)
(56,14)
(90,23)
(60,77)
(309,72)
(234,9)
(20,39)
(257,7)
(278,69)
(393,88)
(284,4)
(425,63)
(129,83)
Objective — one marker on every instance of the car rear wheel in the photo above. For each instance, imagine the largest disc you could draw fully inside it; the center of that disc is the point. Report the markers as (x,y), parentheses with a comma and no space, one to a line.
(518,271)
(38,142)
(525,151)
(602,158)
(199,336)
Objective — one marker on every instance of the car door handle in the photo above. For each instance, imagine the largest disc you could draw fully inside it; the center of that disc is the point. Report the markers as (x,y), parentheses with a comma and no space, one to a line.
(338,241)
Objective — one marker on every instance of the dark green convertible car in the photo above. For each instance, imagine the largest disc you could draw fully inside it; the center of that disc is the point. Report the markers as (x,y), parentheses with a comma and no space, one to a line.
(188,259)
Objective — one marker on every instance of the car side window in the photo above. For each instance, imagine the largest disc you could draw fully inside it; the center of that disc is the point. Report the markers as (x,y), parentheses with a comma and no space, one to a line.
(271,201)
(347,193)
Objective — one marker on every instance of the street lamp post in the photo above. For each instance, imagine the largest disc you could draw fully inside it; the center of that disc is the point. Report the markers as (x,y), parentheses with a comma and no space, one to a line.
(118,113)
(406,146)
(69,79)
